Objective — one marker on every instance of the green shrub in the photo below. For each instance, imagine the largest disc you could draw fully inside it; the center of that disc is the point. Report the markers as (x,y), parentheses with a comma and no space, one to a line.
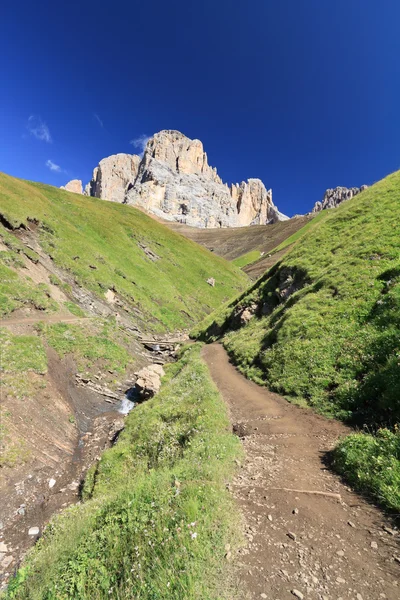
(371,463)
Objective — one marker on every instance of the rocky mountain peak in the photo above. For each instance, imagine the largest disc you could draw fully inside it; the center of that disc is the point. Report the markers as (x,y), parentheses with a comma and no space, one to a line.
(174,181)
(333,197)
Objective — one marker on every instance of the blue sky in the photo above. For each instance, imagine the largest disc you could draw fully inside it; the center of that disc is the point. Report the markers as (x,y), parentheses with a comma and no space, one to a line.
(304,94)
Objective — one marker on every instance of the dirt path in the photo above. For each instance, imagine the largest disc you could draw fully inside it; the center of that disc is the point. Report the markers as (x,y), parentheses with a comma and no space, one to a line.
(300,544)
(45,318)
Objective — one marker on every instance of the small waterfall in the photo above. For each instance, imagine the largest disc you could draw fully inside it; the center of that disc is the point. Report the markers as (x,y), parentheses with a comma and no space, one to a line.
(126,406)
(128,402)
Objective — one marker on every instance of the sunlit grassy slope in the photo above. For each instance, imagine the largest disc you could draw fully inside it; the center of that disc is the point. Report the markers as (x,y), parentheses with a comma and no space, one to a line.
(105,245)
(327,317)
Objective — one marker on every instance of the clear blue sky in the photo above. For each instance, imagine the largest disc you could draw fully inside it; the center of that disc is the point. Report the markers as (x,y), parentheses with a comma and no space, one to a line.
(304,94)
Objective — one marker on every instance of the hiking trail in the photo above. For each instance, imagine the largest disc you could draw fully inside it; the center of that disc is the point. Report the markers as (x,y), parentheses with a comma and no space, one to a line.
(308,535)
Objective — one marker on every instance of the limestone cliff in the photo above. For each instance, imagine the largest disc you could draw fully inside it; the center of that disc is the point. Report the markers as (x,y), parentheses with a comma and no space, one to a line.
(174,181)
(112,177)
(333,197)
(75,186)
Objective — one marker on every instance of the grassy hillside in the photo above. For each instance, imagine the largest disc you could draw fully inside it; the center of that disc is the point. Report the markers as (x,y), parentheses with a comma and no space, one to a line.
(157,514)
(103,245)
(322,327)
(327,317)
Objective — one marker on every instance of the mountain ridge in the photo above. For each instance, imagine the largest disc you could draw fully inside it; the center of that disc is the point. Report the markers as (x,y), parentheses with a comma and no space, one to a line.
(174,181)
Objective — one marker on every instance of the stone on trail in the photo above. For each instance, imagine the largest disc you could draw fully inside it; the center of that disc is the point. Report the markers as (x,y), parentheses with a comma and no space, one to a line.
(33,531)
(298,594)
(52,483)
(6,562)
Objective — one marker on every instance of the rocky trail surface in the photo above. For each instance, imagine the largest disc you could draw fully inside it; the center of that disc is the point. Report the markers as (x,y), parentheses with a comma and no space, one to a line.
(308,535)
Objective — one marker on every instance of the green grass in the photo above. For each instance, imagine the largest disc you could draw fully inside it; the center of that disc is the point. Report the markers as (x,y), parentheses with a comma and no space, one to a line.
(299,234)
(15,292)
(21,353)
(254,255)
(247,259)
(88,342)
(328,315)
(16,246)
(372,465)
(157,515)
(102,245)
(74,309)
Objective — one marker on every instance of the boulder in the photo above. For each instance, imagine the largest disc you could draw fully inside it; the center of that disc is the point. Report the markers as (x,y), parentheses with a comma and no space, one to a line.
(148,381)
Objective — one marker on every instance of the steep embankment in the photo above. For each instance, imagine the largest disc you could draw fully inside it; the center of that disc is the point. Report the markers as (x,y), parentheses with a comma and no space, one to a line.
(322,326)
(157,515)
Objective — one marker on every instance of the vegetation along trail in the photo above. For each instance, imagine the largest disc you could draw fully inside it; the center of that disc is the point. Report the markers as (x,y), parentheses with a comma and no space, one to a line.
(309,536)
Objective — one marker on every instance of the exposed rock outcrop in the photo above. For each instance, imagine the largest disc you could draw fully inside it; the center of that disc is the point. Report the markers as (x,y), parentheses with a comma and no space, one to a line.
(333,197)
(113,177)
(174,181)
(75,186)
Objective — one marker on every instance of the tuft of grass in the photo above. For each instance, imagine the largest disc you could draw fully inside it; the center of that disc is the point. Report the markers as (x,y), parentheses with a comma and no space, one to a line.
(21,353)
(371,463)
(157,514)
(74,309)
(105,245)
(54,279)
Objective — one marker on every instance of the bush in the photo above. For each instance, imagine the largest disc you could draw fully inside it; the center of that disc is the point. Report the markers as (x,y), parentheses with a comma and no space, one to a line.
(371,463)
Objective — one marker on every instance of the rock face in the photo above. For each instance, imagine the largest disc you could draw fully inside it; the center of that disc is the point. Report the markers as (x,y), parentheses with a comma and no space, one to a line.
(174,181)
(112,178)
(332,198)
(75,186)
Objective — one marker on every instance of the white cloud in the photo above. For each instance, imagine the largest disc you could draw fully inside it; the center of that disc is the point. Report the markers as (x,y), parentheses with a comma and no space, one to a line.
(38,129)
(100,122)
(140,142)
(53,167)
